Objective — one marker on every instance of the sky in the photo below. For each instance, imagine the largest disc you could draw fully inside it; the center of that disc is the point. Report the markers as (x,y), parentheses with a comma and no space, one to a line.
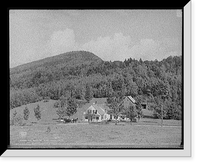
(109,34)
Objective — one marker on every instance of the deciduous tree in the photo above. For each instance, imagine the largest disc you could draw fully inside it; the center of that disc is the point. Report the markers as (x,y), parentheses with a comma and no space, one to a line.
(116,107)
(131,113)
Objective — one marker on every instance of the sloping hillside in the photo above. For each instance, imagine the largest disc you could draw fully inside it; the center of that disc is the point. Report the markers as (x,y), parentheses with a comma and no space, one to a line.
(69,58)
(51,68)
(69,74)
(48,112)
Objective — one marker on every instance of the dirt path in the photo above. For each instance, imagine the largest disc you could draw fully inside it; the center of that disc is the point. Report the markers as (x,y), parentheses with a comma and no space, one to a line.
(120,124)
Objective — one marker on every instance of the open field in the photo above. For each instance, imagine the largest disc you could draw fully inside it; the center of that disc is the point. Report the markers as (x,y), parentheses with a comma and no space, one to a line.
(84,135)
(147,133)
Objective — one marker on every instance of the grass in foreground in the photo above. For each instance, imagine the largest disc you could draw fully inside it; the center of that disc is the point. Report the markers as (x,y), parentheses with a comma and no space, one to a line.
(95,136)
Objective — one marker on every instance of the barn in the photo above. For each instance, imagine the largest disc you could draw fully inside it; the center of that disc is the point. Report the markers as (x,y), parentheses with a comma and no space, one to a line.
(128,101)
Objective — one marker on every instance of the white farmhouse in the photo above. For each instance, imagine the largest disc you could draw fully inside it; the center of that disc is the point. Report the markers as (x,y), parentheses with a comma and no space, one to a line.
(96,113)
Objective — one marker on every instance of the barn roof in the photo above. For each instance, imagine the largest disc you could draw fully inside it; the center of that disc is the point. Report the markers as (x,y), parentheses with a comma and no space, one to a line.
(131,99)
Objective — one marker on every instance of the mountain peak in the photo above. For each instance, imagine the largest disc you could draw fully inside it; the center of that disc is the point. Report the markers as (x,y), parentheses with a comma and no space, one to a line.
(73,58)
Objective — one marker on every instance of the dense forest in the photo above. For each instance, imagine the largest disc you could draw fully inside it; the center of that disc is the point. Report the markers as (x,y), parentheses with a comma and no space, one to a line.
(73,72)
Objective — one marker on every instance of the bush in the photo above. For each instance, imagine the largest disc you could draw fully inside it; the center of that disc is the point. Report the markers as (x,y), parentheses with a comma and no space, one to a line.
(56,104)
(46,99)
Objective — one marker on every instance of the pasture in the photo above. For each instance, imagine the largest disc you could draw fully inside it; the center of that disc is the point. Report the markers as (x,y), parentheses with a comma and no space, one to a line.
(47,133)
(84,135)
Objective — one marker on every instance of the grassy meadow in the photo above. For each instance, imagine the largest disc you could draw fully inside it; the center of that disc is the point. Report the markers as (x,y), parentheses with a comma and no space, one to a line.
(48,133)
(82,135)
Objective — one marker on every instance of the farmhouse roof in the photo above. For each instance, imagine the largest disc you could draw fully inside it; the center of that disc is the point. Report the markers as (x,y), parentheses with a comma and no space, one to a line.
(99,109)
(98,100)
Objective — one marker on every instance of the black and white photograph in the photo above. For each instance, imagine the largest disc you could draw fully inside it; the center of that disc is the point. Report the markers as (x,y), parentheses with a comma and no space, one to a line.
(96,79)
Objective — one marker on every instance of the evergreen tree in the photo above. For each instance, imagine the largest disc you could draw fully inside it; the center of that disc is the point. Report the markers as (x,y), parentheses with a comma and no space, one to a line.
(60,112)
(26,113)
(109,90)
(88,93)
(67,107)
(37,112)
(13,118)
(71,108)
(61,107)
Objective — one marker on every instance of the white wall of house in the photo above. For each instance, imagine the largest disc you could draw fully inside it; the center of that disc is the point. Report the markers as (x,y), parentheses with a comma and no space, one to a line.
(111,117)
(106,117)
(95,119)
(100,118)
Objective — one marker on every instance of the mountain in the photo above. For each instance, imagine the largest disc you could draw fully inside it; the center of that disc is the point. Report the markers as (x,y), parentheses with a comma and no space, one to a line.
(70,59)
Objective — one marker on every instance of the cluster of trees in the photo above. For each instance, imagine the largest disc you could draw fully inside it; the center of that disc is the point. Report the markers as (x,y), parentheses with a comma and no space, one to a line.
(19,119)
(105,79)
(66,107)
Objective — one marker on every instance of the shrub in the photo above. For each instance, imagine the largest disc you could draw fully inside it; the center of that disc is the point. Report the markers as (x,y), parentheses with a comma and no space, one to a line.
(56,104)
(37,112)
(46,99)
(26,113)
(48,129)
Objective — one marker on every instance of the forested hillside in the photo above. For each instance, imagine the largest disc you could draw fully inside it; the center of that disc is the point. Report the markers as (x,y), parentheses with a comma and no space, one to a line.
(70,73)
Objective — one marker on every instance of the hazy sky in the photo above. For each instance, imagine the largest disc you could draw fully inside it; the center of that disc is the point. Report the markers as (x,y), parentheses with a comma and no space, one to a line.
(110,34)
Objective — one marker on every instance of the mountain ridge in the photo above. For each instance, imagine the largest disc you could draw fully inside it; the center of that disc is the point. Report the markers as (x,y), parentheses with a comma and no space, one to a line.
(80,57)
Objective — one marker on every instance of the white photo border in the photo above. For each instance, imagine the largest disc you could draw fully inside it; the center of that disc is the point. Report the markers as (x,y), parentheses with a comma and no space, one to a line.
(185,152)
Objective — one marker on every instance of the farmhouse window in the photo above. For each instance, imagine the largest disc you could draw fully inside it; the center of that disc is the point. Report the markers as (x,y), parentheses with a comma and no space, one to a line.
(144,106)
